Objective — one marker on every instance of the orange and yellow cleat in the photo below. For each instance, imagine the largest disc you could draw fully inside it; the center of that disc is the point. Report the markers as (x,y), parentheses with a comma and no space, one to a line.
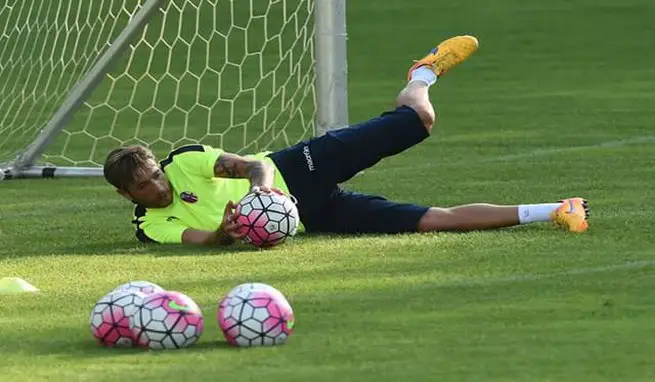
(572,215)
(447,54)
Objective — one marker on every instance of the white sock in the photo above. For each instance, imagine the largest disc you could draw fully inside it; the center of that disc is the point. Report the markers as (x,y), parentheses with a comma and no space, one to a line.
(425,75)
(530,213)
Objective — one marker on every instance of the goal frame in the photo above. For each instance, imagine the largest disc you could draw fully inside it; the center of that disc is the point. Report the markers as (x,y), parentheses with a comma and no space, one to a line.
(331,71)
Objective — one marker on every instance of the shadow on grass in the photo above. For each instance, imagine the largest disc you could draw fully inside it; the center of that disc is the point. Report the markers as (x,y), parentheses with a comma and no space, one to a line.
(126,247)
(154,249)
(131,247)
(88,348)
(213,345)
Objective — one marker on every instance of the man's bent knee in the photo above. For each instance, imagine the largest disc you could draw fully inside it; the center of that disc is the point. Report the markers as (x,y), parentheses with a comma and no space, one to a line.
(426,114)
(422,108)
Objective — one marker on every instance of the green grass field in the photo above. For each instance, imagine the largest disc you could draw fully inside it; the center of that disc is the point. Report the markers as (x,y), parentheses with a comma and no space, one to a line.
(558,101)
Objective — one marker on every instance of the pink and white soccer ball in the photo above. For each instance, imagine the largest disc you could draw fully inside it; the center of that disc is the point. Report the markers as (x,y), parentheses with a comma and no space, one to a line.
(253,287)
(255,314)
(268,218)
(167,320)
(110,318)
(142,286)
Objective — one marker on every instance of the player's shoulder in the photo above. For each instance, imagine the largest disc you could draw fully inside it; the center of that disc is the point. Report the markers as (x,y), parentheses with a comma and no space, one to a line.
(190,159)
(186,152)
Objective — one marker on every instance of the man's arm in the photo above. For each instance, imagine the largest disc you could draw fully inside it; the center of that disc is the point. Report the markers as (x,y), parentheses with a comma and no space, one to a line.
(194,236)
(227,233)
(258,172)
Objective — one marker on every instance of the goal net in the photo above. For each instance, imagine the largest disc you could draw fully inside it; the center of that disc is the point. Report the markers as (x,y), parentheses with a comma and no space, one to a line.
(235,74)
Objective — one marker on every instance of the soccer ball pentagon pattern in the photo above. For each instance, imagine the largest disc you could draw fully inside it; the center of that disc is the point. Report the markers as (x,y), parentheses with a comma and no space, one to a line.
(253,287)
(167,320)
(145,287)
(110,318)
(269,218)
(255,315)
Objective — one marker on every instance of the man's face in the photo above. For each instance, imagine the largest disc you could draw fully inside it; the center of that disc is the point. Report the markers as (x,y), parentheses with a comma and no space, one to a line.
(150,187)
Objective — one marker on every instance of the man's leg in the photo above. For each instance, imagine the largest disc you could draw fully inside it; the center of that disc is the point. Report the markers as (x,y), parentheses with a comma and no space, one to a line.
(351,212)
(424,73)
(356,148)
(415,95)
(340,154)
(571,213)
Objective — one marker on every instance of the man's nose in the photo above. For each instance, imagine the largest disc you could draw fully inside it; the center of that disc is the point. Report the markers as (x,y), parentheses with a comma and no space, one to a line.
(161,188)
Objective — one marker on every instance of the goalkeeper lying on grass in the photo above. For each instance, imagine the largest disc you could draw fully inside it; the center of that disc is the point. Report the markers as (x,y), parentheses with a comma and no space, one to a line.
(189,197)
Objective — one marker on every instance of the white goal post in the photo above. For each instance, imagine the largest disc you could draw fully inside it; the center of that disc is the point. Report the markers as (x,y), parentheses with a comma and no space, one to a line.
(79,78)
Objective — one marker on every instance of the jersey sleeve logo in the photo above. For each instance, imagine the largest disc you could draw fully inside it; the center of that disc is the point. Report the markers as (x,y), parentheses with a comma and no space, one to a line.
(189,197)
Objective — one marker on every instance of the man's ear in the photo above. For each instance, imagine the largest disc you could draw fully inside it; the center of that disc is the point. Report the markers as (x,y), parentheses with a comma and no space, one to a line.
(125,194)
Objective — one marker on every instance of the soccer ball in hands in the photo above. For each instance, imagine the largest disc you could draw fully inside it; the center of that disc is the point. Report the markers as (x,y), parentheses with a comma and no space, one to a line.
(167,320)
(110,318)
(255,314)
(145,287)
(269,219)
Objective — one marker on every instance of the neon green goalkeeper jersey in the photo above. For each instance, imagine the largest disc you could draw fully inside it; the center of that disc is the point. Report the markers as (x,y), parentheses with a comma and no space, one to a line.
(199,198)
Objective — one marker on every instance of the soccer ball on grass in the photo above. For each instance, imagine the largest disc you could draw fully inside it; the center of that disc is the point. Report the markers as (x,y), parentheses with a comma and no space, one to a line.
(110,318)
(167,320)
(145,287)
(255,314)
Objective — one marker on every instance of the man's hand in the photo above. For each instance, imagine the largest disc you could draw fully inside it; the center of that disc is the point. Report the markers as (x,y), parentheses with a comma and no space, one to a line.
(229,230)
(267,190)
(230,227)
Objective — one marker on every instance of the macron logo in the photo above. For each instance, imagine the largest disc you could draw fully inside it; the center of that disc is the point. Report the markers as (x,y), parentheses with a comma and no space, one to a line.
(308,158)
